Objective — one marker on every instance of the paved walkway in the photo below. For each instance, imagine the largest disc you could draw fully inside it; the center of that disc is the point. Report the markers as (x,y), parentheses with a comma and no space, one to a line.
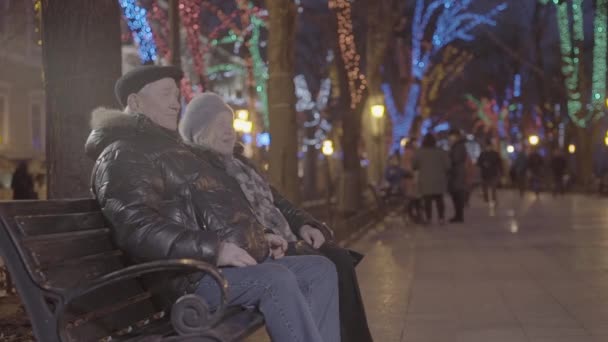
(532,271)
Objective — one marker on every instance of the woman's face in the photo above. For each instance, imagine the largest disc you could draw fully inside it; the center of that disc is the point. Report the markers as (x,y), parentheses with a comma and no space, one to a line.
(220,135)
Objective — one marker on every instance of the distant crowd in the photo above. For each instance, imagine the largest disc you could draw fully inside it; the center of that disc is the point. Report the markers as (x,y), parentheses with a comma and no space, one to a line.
(424,175)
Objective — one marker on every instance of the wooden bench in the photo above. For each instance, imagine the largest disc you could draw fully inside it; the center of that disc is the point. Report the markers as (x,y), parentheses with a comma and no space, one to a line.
(77,286)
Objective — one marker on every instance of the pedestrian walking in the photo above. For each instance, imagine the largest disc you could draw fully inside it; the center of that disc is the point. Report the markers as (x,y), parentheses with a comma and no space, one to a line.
(394,175)
(458,174)
(559,168)
(490,167)
(536,166)
(432,164)
(519,170)
(23,183)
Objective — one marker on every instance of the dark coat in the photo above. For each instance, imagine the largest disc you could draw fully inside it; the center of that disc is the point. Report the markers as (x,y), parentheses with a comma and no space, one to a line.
(559,166)
(162,201)
(23,185)
(458,166)
(167,200)
(490,164)
(432,164)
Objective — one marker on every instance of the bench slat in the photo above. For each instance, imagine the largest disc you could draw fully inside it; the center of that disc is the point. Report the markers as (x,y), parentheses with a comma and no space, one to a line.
(54,248)
(75,274)
(60,223)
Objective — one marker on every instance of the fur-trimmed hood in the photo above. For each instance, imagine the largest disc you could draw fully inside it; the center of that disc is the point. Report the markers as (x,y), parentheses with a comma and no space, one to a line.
(110,125)
(107,117)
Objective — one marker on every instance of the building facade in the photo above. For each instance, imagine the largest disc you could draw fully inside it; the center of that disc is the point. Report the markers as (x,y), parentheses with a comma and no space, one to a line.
(22,103)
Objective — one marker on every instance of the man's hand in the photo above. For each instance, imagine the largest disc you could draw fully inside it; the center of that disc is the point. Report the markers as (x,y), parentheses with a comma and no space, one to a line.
(312,235)
(233,255)
(278,245)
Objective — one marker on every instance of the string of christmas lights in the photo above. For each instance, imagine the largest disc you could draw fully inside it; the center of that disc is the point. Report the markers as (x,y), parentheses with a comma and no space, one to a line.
(260,69)
(161,36)
(441,74)
(142,32)
(189,11)
(570,61)
(348,49)
(252,21)
(314,107)
(598,92)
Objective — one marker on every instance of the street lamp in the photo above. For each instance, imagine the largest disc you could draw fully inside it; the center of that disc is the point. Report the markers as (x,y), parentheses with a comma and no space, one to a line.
(572,148)
(378,111)
(377,123)
(534,140)
(242,114)
(510,149)
(328,148)
(241,123)
(243,126)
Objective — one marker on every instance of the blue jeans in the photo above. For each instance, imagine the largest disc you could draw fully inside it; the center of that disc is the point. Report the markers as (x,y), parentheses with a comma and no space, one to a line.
(298,296)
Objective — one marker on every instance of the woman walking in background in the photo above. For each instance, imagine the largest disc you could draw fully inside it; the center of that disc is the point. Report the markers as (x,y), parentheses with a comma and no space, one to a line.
(432,164)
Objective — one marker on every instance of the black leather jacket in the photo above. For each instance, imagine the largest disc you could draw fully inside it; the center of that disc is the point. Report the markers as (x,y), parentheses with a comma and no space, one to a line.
(165,200)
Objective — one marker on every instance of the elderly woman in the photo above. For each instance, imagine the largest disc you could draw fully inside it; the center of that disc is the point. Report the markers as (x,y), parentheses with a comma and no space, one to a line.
(207,126)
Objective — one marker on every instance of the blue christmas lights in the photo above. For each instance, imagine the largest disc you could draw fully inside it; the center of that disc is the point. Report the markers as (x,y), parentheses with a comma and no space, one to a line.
(453,23)
(142,32)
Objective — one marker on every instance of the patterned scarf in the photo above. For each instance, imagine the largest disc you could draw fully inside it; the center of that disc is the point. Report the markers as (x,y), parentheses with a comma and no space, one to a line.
(258,193)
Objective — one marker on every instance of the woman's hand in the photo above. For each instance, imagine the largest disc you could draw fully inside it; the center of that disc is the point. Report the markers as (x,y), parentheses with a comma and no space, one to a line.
(278,245)
(312,236)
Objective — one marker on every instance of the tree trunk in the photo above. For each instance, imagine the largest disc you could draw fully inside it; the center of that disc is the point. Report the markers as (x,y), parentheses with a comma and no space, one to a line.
(174,28)
(350,199)
(584,156)
(81,60)
(281,98)
(411,111)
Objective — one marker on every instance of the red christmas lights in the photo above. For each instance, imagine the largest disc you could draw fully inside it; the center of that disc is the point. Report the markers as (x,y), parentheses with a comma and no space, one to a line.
(348,50)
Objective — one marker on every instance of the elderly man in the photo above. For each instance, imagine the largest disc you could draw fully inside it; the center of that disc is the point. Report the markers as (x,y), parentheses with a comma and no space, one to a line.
(165,202)
(207,126)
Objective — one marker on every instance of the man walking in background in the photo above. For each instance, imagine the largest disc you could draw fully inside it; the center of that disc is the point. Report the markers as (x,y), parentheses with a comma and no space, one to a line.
(490,165)
(457,174)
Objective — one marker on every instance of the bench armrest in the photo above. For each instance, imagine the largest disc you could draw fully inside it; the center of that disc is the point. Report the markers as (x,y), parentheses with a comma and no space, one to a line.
(187,302)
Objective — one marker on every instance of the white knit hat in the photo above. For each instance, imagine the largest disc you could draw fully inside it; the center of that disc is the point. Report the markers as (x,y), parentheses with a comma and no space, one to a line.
(200,112)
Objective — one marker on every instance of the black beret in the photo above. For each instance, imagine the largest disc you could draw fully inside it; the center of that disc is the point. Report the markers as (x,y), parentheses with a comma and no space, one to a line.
(134,80)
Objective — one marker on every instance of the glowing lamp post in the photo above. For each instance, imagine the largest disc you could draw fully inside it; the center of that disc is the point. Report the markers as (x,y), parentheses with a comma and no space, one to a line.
(572,148)
(534,140)
(378,111)
(510,149)
(328,148)
(242,123)
(377,122)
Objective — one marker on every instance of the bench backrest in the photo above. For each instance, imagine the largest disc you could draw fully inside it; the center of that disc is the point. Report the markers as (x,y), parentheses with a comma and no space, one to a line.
(53,246)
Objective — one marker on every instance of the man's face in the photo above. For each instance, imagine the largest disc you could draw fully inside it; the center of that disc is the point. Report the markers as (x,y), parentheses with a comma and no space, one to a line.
(453,138)
(159,101)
